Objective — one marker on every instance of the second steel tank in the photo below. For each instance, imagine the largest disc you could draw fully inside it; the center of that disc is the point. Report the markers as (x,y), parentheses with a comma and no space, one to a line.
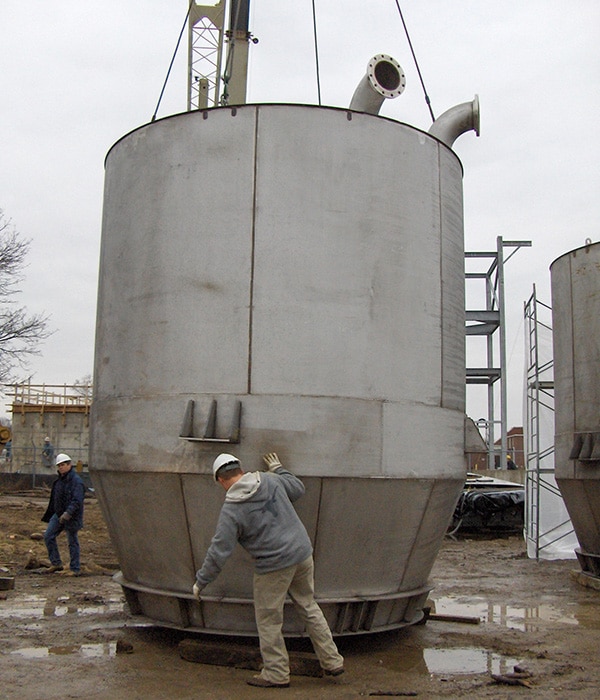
(576,334)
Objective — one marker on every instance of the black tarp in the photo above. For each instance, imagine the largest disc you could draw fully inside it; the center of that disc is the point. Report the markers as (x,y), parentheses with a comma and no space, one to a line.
(489,509)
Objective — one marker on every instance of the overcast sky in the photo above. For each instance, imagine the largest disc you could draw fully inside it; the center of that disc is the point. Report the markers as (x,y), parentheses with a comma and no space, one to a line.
(76,76)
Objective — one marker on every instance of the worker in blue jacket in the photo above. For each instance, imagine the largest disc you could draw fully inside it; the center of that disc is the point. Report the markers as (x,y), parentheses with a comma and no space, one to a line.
(65,512)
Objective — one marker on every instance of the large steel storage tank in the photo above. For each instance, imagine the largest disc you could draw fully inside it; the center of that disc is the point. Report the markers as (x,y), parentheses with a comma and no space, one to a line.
(287,278)
(576,336)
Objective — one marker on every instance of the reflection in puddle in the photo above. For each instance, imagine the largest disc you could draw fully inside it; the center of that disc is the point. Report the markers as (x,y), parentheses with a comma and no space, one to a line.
(38,606)
(524,619)
(466,661)
(87,650)
(428,661)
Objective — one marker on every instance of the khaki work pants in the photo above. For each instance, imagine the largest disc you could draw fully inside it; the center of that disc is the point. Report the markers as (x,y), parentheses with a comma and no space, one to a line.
(270,590)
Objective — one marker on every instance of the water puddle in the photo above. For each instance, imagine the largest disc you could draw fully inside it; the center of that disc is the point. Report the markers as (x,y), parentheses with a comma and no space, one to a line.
(39,606)
(424,661)
(396,653)
(436,661)
(466,660)
(525,619)
(85,650)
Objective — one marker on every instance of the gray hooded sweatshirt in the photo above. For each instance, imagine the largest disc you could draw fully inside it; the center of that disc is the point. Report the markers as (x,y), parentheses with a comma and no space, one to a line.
(258,513)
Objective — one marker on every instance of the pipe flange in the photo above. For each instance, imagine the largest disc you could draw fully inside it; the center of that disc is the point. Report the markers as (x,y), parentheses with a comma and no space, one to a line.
(386,75)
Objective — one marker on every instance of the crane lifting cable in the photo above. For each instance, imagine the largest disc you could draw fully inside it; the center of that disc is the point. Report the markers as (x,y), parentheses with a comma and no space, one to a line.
(230,54)
(314,13)
(427,100)
(185,21)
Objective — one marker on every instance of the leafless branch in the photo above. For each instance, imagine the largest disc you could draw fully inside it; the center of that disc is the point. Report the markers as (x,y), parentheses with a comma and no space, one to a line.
(20,333)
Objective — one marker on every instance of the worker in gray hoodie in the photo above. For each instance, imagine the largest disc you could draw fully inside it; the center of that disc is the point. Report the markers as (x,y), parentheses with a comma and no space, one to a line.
(258,513)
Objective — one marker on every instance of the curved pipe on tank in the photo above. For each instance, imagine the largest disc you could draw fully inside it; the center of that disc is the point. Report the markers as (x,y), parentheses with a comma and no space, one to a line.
(384,79)
(456,121)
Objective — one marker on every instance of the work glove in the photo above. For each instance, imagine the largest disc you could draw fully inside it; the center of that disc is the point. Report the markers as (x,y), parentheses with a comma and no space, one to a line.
(196,591)
(272,461)
(65,517)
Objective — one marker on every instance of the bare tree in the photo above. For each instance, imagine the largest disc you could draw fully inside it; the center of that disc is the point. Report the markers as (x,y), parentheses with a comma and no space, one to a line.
(83,386)
(20,333)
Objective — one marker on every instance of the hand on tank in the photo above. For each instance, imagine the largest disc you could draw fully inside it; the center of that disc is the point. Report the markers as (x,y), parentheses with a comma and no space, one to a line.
(272,461)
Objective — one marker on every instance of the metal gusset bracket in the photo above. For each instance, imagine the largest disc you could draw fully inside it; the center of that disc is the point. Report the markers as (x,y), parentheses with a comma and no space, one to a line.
(187,428)
(586,447)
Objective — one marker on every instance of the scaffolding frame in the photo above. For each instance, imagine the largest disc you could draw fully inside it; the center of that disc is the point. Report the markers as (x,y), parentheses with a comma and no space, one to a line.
(539,453)
(488,321)
(48,398)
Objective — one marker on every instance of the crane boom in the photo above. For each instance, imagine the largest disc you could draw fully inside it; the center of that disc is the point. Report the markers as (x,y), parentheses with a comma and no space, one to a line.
(218,53)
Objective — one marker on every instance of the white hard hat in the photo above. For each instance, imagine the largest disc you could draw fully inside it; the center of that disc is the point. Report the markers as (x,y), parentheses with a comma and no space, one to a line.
(224,460)
(46,439)
(62,458)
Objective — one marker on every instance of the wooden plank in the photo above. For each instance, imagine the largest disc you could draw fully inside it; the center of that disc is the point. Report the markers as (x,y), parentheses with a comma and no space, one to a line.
(202,651)
(455,618)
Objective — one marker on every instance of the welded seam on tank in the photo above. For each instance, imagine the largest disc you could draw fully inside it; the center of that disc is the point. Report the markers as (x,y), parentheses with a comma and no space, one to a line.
(189,531)
(252,252)
(319,501)
(573,362)
(418,535)
(441,253)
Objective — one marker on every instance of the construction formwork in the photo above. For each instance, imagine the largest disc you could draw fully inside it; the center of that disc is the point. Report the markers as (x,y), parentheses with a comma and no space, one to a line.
(59,412)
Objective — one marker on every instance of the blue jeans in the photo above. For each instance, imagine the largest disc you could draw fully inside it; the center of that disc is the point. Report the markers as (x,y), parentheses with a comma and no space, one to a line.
(55,527)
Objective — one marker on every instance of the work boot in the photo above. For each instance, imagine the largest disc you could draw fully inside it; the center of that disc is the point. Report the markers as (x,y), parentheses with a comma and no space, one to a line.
(260,682)
(70,572)
(54,568)
(334,672)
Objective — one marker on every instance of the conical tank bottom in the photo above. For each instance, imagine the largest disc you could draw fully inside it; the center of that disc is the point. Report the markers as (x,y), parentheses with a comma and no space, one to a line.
(375,541)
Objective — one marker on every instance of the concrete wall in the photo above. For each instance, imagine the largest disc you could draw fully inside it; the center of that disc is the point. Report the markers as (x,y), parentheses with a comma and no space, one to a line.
(68,430)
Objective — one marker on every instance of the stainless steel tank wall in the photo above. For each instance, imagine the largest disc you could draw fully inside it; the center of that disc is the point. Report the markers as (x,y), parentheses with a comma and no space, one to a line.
(576,333)
(307,262)
(294,256)
(365,554)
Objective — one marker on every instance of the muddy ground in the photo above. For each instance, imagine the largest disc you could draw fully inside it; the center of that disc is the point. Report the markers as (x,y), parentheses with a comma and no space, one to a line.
(66,637)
